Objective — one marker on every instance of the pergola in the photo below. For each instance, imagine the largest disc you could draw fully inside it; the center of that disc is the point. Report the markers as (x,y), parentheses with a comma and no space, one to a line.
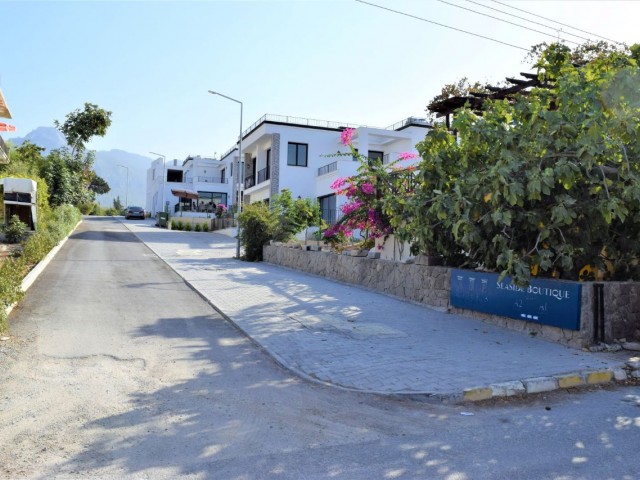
(444,108)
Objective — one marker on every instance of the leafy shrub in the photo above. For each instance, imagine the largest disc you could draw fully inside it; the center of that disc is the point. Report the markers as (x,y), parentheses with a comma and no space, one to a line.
(11,273)
(205,227)
(174,225)
(180,225)
(256,228)
(197,227)
(15,231)
(187,226)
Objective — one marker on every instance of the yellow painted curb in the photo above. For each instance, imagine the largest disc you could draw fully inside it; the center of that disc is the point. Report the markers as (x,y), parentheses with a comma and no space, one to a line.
(599,377)
(569,381)
(476,394)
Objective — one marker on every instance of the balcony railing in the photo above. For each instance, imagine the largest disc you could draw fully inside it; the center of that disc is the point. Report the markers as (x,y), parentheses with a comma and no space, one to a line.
(263,175)
(330,167)
(249,182)
(211,179)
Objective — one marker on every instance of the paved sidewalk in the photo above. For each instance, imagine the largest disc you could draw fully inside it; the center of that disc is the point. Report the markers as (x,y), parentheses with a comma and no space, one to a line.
(353,338)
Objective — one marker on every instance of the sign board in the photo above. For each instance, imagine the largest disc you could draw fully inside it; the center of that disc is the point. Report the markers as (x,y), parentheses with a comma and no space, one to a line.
(548,302)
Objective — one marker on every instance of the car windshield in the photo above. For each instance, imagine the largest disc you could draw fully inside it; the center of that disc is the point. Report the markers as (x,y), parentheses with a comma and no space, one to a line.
(136,209)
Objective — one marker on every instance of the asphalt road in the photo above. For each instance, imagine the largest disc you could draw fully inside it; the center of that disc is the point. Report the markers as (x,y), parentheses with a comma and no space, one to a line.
(118,370)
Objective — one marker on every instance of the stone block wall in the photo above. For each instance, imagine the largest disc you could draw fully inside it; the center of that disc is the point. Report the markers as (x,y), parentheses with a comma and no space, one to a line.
(430,285)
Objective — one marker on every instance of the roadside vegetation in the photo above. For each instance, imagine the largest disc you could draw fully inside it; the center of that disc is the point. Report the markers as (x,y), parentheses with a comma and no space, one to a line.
(66,184)
(280,221)
(544,183)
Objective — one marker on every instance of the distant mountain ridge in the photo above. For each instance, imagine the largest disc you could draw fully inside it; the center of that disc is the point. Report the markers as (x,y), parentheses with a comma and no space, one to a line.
(106,165)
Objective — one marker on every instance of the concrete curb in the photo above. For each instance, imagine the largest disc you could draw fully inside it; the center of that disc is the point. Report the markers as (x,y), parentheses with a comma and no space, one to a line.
(35,272)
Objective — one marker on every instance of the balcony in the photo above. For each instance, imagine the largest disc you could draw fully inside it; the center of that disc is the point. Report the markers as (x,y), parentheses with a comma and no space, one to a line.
(249,182)
(211,179)
(331,167)
(263,175)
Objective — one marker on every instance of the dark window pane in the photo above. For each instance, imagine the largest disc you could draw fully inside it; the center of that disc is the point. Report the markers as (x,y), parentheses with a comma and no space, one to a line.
(291,154)
(302,155)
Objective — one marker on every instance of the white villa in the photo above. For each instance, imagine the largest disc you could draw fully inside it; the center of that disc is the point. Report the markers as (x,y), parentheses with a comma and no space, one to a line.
(291,152)
(280,152)
(210,178)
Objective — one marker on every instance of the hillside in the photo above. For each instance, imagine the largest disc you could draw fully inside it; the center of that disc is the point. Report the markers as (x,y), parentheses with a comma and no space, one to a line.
(106,166)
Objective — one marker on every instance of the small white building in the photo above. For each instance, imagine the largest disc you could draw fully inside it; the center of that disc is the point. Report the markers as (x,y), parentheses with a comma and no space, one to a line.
(211,178)
(291,152)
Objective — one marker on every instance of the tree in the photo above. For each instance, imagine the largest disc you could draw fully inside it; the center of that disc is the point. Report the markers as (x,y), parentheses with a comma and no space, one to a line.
(544,183)
(82,125)
(117,204)
(99,186)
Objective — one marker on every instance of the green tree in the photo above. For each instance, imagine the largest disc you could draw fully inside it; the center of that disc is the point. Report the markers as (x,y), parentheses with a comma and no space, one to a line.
(547,182)
(82,125)
(257,224)
(117,204)
(99,186)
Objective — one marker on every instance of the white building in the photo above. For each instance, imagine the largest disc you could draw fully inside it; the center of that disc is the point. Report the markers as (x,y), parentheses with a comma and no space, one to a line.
(291,152)
(210,178)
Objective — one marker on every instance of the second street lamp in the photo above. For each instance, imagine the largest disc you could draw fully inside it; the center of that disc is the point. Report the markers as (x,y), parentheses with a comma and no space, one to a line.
(126,194)
(240,172)
(164,177)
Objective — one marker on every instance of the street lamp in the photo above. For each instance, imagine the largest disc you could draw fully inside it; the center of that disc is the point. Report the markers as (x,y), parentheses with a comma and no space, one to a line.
(164,176)
(240,172)
(126,194)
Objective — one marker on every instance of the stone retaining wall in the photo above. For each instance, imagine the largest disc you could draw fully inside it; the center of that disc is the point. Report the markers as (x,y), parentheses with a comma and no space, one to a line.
(430,285)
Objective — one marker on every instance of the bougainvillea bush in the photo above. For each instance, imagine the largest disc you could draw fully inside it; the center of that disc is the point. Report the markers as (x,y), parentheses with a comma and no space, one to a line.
(366,192)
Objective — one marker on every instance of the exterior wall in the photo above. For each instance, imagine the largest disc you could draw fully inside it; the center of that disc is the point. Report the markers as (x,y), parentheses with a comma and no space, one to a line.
(430,285)
(199,174)
(305,181)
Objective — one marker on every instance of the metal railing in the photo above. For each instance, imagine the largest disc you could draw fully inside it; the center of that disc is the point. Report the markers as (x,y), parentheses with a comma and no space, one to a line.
(330,215)
(309,122)
(330,167)
(211,179)
(263,175)
(421,122)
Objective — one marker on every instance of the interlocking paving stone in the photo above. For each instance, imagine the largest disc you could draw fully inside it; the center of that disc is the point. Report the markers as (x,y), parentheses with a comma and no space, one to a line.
(355,338)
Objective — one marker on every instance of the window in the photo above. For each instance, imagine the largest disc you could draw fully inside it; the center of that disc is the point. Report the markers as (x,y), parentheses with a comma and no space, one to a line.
(268,163)
(222,176)
(297,154)
(174,176)
(374,155)
(328,208)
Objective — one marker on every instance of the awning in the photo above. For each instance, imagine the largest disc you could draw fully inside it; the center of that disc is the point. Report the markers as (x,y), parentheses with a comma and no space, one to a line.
(185,194)
(4,108)
(5,127)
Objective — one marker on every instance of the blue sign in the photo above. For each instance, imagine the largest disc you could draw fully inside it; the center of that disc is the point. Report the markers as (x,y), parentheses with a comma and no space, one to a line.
(549,302)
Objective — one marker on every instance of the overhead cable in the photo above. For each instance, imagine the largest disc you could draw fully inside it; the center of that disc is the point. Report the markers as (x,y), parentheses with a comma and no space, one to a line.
(529,20)
(505,21)
(555,21)
(442,25)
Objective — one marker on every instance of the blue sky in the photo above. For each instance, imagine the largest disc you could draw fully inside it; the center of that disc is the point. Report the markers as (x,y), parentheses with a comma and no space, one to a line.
(151,63)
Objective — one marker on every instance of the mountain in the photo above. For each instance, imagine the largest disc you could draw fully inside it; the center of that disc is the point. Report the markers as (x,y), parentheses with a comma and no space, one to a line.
(47,137)
(106,166)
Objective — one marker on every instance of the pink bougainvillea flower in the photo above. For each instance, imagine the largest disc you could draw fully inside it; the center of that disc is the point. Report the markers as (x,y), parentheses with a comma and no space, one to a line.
(346,135)
(338,182)
(367,188)
(407,156)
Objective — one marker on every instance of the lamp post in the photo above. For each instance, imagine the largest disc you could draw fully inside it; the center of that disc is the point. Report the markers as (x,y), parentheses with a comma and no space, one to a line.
(240,172)
(164,176)
(126,191)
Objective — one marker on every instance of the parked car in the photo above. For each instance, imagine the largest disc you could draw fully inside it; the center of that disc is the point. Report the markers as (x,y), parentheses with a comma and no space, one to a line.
(134,212)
